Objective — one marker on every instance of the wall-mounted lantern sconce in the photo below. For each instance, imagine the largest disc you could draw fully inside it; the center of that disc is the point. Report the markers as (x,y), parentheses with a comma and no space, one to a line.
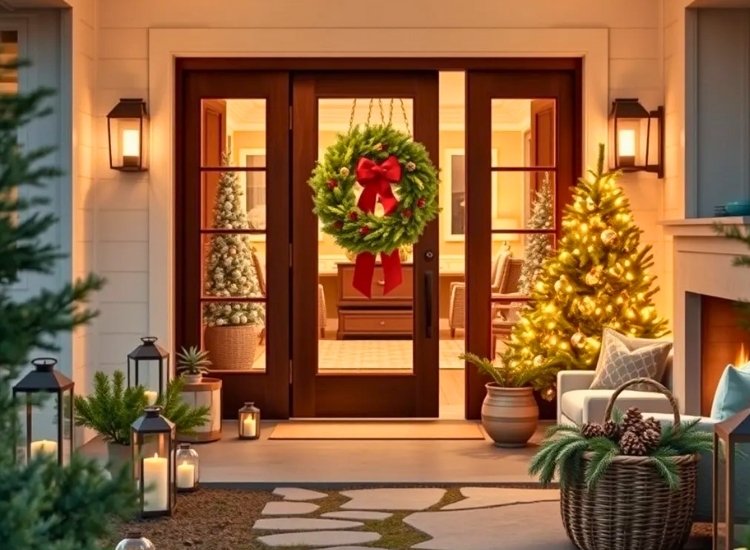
(127,126)
(637,137)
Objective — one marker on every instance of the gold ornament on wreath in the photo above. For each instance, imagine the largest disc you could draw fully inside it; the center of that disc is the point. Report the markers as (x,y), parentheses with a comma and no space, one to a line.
(375,191)
(578,340)
(594,276)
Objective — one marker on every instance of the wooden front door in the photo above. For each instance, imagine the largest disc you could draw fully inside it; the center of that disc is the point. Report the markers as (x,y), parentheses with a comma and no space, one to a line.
(382,358)
(547,102)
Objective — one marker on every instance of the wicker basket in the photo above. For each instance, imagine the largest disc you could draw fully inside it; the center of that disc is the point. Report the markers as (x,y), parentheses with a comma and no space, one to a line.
(631,507)
(231,347)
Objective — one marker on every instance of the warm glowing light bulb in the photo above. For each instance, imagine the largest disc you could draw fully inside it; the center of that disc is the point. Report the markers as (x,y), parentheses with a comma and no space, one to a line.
(626,142)
(131,146)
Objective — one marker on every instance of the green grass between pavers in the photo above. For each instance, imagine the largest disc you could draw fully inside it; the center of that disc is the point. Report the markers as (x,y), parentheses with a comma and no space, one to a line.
(394,533)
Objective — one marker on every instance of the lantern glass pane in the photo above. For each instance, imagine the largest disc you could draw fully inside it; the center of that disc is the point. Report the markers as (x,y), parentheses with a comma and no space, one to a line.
(146,373)
(631,134)
(188,468)
(125,138)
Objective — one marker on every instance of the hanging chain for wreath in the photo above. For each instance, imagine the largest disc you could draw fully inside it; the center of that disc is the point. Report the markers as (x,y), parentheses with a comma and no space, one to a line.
(375,191)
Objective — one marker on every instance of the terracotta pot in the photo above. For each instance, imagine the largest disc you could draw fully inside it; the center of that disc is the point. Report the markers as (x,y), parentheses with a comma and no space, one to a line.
(192,378)
(509,415)
(232,347)
(119,457)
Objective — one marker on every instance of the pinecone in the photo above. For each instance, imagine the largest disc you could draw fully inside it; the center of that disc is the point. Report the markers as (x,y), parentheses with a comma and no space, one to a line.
(612,430)
(652,424)
(591,429)
(631,444)
(633,420)
(650,439)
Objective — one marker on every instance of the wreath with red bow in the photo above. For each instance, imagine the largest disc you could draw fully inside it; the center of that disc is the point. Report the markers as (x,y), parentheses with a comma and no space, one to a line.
(375,191)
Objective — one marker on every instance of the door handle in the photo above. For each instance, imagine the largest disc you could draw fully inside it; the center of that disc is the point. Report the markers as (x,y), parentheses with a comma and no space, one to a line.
(428,277)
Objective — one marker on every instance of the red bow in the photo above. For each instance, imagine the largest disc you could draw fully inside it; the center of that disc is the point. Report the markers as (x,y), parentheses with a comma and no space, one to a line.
(376,181)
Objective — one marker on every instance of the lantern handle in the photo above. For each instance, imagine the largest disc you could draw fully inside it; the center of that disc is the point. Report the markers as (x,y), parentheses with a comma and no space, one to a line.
(149,340)
(44,363)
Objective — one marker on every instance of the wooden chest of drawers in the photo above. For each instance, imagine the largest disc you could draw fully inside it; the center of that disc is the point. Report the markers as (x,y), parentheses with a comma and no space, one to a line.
(381,316)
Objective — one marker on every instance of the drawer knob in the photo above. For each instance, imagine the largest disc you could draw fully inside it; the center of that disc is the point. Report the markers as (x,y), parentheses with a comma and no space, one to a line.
(382,323)
(381,283)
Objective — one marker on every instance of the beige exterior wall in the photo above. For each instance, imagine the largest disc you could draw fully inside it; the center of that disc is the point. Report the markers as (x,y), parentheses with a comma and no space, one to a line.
(111,41)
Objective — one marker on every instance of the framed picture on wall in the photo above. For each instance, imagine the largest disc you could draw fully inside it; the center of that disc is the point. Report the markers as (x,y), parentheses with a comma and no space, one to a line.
(453,194)
(254,184)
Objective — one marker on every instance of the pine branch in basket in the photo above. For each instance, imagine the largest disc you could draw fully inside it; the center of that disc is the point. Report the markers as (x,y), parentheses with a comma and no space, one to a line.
(562,451)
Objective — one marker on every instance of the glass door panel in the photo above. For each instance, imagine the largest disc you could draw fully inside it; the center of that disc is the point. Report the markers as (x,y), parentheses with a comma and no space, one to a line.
(358,334)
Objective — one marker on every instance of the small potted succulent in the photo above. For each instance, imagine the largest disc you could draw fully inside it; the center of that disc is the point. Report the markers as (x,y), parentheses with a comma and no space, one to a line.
(192,364)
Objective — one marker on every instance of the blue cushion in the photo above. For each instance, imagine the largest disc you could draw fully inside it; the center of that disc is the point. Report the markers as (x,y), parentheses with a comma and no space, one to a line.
(732,393)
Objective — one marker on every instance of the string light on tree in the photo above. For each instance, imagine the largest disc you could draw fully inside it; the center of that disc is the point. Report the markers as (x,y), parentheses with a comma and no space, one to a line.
(597,278)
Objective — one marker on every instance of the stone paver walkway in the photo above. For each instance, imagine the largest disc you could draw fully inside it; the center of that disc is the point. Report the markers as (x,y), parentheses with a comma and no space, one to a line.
(473,523)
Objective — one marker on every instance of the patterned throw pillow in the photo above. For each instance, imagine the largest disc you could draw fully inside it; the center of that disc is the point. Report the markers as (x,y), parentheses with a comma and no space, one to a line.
(623,358)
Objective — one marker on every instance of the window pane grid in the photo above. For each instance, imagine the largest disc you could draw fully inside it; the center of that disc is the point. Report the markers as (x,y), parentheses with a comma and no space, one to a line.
(523,168)
(233,168)
(218,231)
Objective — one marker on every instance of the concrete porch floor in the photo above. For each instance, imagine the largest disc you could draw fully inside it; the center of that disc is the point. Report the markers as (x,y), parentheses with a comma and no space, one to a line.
(265,463)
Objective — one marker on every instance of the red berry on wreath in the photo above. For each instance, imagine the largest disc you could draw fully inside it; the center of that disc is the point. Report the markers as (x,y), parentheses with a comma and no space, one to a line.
(353,216)
(364,230)
(421,202)
(332,184)
(406,213)
(339,225)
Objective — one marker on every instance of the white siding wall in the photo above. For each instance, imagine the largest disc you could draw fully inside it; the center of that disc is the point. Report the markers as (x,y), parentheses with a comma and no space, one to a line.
(120,204)
(81,20)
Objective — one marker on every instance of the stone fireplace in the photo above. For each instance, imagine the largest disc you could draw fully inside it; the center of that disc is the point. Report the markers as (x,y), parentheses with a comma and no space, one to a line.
(706,332)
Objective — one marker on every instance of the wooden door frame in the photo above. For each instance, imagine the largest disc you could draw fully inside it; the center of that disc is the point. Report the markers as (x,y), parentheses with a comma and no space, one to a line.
(331,395)
(482,87)
(270,389)
(187,65)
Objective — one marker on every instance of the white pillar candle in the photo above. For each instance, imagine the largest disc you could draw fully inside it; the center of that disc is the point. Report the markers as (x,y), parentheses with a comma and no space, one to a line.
(151,397)
(155,484)
(249,426)
(185,476)
(44,446)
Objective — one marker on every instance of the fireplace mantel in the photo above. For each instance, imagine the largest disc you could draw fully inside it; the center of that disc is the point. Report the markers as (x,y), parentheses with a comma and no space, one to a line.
(702,265)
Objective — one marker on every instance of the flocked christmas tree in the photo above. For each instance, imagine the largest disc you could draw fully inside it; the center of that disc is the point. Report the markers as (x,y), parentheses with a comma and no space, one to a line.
(598,278)
(42,504)
(230,270)
(538,245)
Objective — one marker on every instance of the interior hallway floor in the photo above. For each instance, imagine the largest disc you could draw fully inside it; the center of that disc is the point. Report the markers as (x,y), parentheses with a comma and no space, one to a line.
(266,463)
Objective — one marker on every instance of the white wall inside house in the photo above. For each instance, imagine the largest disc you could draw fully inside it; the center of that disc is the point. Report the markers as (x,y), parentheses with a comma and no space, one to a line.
(115,212)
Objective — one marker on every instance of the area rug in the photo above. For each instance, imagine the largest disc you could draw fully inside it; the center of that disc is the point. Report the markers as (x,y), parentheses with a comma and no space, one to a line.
(367,355)
(356,429)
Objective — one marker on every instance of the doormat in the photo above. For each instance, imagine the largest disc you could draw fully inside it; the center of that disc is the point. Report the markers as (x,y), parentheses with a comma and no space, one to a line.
(367,429)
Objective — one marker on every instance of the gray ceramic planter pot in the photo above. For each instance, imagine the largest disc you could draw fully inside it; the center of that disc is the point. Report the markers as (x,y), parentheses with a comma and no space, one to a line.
(509,415)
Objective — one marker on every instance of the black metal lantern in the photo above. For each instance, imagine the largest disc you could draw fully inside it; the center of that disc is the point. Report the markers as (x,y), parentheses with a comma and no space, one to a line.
(144,363)
(637,137)
(152,440)
(47,427)
(731,505)
(127,128)
(249,421)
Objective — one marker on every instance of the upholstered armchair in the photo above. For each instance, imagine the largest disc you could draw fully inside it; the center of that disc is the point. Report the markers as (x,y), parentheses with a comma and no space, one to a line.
(457,307)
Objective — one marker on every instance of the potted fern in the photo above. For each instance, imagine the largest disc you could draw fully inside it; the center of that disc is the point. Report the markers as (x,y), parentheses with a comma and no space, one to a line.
(628,483)
(192,364)
(510,414)
(112,408)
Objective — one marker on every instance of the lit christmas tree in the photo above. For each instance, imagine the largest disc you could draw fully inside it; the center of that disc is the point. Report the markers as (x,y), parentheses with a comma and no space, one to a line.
(538,246)
(230,271)
(598,278)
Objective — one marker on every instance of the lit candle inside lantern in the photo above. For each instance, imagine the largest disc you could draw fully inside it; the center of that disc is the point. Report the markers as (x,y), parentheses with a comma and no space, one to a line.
(626,146)
(151,397)
(249,426)
(185,476)
(155,484)
(44,446)
(131,147)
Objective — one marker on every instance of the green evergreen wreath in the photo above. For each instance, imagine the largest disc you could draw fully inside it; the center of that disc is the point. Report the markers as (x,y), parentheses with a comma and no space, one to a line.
(334,181)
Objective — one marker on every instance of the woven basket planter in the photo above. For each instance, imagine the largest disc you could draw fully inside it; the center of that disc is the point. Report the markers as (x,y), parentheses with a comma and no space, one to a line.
(631,507)
(231,347)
